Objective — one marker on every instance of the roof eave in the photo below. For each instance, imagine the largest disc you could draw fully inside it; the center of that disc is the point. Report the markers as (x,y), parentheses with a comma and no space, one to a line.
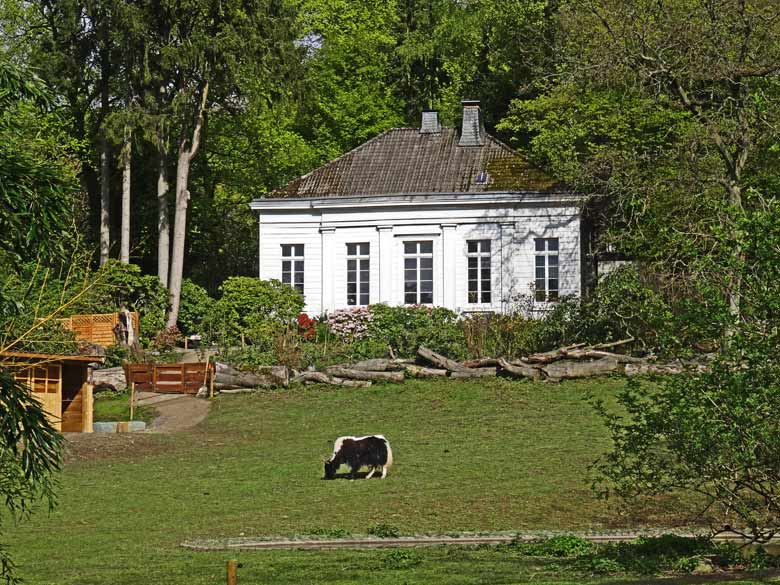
(556,198)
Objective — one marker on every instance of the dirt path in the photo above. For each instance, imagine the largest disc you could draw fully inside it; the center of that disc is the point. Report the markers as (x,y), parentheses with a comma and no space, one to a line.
(175,412)
(418,541)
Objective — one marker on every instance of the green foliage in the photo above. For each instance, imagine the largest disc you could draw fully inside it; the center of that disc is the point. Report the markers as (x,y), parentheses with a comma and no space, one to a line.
(328,533)
(383,530)
(506,335)
(405,329)
(38,170)
(30,456)
(652,555)
(196,304)
(564,546)
(258,310)
(401,559)
(116,285)
(682,436)
(628,303)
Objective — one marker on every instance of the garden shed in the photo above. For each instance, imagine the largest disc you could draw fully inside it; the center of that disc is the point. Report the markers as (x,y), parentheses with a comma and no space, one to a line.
(62,383)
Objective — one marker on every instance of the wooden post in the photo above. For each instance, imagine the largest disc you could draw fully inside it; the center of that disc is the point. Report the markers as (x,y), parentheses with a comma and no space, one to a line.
(212,374)
(232,569)
(132,399)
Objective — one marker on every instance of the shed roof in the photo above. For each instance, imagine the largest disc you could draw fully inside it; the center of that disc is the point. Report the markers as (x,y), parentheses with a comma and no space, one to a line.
(406,161)
(51,357)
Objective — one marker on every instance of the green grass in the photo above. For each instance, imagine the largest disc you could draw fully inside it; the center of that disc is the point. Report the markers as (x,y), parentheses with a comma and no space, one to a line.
(116,407)
(470,456)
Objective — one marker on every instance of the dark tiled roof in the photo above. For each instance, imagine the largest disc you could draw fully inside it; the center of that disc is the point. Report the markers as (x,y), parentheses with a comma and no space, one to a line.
(403,161)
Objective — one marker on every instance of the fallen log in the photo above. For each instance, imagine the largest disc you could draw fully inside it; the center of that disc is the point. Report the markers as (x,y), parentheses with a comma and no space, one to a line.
(441,361)
(375,365)
(475,373)
(422,372)
(262,376)
(520,371)
(633,370)
(596,354)
(322,378)
(481,363)
(351,374)
(553,355)
(569,369)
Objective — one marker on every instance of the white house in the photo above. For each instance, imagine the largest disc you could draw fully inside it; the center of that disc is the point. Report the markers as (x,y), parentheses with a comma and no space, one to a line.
(424,216)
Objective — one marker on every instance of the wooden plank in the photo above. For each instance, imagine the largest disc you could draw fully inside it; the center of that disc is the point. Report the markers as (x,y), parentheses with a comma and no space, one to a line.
(88,405)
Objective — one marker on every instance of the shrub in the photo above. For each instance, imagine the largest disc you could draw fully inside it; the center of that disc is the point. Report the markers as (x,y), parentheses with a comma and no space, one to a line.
(350,324)
(496,335)
(307,327)
(682,436)
(402,559)
(653,555)
(405,329)
(563,546)
(383,530)
(194,306)
(258,310)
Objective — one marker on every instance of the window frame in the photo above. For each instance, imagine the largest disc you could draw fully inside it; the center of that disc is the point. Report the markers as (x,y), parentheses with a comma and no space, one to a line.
(418,256)
(480,257)
(360,257)
(296,260)
(547,259)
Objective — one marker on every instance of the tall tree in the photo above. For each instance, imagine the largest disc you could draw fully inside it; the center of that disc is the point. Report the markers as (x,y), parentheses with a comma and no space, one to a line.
(198,51)
(716,60)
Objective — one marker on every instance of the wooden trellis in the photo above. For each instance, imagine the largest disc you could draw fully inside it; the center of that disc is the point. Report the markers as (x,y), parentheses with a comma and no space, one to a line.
(97,328)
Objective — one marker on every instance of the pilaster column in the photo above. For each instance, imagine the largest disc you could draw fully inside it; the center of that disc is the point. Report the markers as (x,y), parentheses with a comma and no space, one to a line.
(385,263)
(506,268)
(448,266)
(328,275)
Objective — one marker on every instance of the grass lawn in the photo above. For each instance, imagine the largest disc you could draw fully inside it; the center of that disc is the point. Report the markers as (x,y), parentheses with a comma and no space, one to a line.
(485,455)
(116,407)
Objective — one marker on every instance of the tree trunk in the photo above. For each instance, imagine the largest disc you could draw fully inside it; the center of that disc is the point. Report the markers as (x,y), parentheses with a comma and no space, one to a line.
(186,155)
(105,201)
(163,220)
(124,248)
(179,233)
(350,374)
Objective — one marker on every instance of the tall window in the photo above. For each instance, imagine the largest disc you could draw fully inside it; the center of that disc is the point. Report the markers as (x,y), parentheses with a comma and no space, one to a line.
(478,256)
(418,273)
(546,269)
(292,265)
(358,265)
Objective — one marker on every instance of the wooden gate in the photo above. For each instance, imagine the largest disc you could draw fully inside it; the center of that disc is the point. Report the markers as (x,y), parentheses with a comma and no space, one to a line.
(170,378)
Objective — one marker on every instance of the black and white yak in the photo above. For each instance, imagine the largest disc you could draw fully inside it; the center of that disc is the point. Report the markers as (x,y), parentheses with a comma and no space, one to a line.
(372,451)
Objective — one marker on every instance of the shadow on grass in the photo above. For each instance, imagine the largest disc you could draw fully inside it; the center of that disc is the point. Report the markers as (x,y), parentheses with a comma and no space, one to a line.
(715,577)
(349,476)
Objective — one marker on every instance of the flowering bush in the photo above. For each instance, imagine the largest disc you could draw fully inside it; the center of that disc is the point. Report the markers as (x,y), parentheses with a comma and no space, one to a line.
(307,326)
(351,324)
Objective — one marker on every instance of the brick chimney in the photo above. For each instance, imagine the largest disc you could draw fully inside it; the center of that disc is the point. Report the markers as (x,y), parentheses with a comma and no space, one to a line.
(473,130)
(430,122)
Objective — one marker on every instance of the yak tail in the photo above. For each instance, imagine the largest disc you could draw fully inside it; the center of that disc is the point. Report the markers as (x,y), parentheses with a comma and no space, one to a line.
(389,455)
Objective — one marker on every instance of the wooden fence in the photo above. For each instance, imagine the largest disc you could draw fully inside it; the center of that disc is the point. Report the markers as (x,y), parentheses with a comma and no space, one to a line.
(96,328)
(170,378)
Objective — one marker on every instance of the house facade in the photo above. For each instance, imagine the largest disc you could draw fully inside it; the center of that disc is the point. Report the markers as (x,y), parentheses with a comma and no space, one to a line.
(427,216)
